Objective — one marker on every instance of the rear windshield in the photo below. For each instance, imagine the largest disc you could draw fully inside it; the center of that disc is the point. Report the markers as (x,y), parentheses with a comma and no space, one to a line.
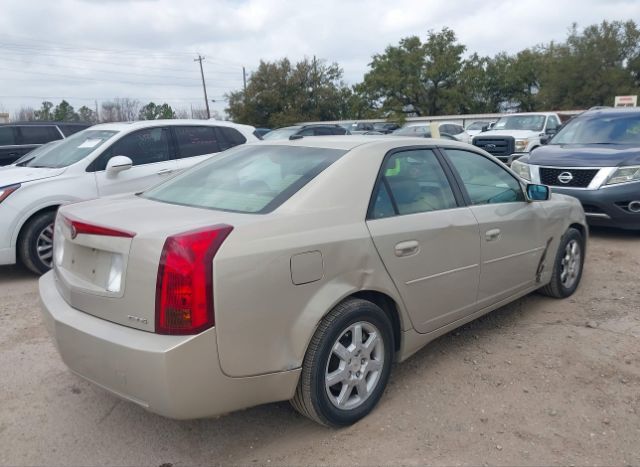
(618,129)
(68,151)
(247,179)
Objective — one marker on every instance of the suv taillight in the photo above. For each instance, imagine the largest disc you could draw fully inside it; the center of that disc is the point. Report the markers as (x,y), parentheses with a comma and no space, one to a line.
(184,288)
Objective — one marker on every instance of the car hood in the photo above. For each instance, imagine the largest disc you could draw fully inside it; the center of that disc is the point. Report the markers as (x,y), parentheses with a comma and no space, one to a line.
(520,134)
(585,155)
(12,174)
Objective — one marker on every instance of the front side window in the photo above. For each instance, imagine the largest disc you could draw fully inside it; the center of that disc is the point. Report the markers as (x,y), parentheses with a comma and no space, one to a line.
(196,140)
(485,181)
(552,123)
(412,181)
(247,179)
(37,134)
(146,146)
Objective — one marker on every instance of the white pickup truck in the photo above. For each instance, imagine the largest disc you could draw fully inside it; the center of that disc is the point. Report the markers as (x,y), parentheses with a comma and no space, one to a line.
(516,135)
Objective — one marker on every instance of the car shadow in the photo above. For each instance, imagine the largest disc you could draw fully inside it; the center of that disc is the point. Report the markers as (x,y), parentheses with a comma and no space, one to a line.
(611,233)
(15,273)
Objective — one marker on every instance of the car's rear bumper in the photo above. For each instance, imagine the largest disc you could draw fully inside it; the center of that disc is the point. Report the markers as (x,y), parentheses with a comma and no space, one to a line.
(174,376)
(605,206)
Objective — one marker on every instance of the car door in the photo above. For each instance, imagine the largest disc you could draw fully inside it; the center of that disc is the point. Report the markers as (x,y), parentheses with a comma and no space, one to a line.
(510,227)
(427,239)
(152,153)
(195,143)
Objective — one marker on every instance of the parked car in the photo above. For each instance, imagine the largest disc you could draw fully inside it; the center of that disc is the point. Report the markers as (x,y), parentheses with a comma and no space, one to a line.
(260,132)
(595,157)
(475,128)
(423,129)
(267,274)
(430,130)
(292,132)
(17,139)
(516,135)
(385,127)
(102,160)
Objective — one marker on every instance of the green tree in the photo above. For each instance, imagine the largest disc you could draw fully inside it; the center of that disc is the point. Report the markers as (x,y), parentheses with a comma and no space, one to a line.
(151,111)
(416,77)
(281,93)
(85,114)
(45,112)
(64,112)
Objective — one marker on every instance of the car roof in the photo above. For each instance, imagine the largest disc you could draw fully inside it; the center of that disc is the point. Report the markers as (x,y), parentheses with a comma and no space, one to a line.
(612,111)
(349,142)
(123,126)
(45,123)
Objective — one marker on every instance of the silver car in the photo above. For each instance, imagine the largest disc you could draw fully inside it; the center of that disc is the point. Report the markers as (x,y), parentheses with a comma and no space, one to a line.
(298,270)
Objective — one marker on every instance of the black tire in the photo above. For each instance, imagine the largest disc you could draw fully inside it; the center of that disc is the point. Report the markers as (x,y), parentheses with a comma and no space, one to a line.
(28,242)
(556,288)
(311,398)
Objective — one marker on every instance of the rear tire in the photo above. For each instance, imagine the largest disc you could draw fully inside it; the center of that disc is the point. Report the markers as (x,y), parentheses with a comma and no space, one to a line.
(35,244)
(567,267)
(353,349)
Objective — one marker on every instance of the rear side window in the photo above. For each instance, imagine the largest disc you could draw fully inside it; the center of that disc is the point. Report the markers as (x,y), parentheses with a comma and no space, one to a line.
(196,140)
(248,179)
(69,130)
(412,181)
(7,137)
(229,137)
(38,134)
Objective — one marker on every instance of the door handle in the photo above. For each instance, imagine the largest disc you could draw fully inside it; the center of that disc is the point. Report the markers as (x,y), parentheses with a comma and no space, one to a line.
(407,248)
(492,234)
(165,172)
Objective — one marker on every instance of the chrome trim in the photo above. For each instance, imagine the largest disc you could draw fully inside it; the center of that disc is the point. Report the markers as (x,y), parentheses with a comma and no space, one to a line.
(515,255)
(433,276)
(597,182)
(597,214)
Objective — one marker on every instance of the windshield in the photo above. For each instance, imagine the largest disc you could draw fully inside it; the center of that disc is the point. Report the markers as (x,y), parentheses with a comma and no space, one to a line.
(67,151)
(477,125)
(520,122)
(281,133)
(619,129)
(247,179)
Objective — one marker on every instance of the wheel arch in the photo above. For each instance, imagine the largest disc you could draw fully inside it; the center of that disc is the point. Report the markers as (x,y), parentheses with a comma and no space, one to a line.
(390,308)
(20,228)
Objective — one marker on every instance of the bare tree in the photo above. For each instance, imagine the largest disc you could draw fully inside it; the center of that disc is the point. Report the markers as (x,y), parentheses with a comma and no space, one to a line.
(200,113)
(108,112)
(128,109)
(182,113)
(24,114)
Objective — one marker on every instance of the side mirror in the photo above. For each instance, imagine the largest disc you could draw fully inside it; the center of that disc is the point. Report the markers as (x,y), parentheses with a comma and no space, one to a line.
(551,131)
(485,128)
(537,192)
(544,139)
(118,164)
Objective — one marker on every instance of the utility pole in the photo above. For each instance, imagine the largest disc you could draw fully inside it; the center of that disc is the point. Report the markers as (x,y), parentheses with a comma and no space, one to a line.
(204,86)
(244,81)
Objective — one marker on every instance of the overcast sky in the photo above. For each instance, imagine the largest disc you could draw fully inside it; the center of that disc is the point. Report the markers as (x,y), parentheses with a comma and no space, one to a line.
(83,50)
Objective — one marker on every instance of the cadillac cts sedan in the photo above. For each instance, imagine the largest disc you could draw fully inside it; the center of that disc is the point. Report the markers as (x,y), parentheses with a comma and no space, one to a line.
(298,271)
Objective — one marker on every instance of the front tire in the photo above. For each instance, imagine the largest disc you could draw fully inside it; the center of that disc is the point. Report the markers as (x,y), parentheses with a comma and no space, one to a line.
(347,364)
(35,245)
(568,265)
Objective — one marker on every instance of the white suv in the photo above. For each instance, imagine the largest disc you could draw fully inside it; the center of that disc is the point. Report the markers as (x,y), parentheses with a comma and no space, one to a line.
(103,160)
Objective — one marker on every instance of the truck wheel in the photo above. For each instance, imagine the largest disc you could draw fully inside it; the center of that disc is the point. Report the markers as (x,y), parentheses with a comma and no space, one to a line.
(347,364)
(35,245)
(567,268)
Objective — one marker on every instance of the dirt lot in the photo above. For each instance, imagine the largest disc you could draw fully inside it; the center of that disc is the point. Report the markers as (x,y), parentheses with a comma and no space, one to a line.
(537,382)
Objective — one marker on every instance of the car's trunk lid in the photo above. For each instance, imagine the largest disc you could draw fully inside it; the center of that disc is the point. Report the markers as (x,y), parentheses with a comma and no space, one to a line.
(113,276)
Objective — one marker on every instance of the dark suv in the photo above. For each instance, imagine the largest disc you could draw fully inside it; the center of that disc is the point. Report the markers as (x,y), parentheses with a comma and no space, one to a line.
(292,132)
(17,139)
(595,157)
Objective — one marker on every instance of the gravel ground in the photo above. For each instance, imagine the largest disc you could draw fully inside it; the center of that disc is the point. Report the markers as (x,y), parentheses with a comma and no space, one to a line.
(538,382)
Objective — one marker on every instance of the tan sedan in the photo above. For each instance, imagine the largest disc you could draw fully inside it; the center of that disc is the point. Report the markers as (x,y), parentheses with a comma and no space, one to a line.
(299,270)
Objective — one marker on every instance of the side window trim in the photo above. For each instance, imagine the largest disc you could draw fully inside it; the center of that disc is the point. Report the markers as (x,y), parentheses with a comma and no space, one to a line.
(452,180)
(460,183)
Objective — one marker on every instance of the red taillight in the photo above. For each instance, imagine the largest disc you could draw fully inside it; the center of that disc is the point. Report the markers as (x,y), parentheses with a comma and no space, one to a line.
(184,288)
(78,227)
